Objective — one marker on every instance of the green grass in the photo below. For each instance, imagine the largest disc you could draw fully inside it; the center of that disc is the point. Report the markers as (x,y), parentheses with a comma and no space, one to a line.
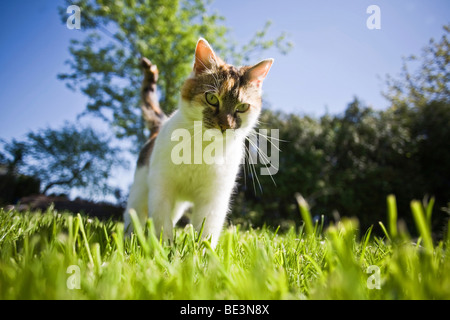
(45,255)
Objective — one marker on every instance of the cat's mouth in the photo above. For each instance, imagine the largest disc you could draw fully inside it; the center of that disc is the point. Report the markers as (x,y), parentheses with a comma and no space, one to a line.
(216,126)
(222,128)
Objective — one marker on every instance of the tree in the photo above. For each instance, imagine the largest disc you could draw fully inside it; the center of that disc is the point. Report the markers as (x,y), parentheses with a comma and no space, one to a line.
(105,65)
(71,157)
(424,94)
(431,80)
(13,185)
(349,163)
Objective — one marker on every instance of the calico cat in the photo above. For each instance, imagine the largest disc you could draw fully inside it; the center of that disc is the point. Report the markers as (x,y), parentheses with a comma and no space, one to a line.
(216,97)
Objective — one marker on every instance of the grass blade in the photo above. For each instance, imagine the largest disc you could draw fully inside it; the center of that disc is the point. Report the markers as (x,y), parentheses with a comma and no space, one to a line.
(392,216)
(421,224)
(384,230)
(118,239)
(366,241)
(306,215)
(429,211)
(139,232)
(85,240)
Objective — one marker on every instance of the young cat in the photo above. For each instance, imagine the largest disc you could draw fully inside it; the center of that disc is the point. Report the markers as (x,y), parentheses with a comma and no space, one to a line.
(216,97)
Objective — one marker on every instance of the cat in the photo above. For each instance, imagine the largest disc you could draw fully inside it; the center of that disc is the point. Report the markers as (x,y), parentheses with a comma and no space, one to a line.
(216,96)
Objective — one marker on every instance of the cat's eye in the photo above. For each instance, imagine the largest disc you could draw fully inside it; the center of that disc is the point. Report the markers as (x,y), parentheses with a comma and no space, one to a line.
(212,99)
(243,107)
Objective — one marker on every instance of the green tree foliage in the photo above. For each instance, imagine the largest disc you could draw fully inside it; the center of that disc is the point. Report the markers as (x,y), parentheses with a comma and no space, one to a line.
(350,163)
(105,64)
(71,157)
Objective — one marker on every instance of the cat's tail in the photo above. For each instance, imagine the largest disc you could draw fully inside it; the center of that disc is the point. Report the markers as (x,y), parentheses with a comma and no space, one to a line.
(151,111)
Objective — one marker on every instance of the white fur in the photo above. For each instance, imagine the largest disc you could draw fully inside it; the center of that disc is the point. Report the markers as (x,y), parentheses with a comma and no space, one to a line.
(164,190)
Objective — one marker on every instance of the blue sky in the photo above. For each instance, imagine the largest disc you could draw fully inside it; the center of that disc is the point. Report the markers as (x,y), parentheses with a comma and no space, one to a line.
(335,56)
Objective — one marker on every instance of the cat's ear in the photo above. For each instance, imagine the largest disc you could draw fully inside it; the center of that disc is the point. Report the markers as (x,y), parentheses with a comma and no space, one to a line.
(205,57)
(259,71)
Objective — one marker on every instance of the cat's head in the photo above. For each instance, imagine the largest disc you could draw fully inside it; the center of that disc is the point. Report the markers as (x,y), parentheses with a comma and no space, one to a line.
(220,95)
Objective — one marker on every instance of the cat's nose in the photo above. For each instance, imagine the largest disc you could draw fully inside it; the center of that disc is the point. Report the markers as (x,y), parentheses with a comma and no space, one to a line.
(227,121)
(223,127)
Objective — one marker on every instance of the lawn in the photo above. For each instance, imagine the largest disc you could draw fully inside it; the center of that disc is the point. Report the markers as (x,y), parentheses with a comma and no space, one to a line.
(53,255)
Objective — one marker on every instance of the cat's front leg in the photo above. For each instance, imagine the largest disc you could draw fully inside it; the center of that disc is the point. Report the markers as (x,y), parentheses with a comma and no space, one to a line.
(137,200)
(212,214)
(160,211)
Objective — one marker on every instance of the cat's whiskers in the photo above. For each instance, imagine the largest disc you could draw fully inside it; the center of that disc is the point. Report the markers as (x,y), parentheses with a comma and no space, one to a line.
(252,170)
(245,174)
(266,136)
(264,156)
(254,132)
